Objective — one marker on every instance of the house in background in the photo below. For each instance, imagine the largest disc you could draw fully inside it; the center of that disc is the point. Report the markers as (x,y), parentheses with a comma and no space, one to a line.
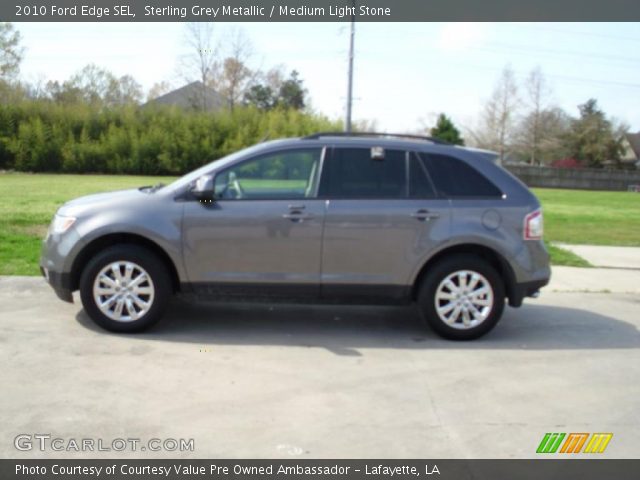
(192,96)
(631,146)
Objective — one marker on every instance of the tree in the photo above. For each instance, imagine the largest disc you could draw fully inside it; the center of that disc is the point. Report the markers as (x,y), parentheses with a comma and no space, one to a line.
(123,91)
(96,86)
(10,51)
(532,128)
(232,84)
(292,92)
(201,62)
(274,91)
(274,77)
(37,88)
(236,77)
(540,137)
(554,126)
(446,130)
(92,82)
(497,121)
(595,139)
(260,96)
(158,89)
(62,92)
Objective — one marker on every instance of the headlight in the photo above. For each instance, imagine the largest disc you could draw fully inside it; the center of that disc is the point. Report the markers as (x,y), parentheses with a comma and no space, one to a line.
(61,223)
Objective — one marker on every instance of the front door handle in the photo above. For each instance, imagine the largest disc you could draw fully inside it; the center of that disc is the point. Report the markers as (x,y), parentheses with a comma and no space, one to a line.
(424,214)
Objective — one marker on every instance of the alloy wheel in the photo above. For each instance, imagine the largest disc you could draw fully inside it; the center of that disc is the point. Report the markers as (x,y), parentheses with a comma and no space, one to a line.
(123,291)
(464,299)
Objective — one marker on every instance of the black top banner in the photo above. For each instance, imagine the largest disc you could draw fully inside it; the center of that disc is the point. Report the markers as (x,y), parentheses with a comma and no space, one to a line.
(318,10)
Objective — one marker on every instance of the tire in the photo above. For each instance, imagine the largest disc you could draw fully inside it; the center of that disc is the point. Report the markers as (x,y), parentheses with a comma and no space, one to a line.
(143,299)
(484,308)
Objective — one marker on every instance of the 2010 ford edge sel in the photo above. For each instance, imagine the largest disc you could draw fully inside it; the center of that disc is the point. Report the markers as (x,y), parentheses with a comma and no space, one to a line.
(331,218)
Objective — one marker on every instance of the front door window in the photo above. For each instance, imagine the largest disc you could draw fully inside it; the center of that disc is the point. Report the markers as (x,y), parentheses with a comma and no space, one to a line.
(286,175)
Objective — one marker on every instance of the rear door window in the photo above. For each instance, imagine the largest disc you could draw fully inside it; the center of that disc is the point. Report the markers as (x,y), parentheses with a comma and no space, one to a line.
(365,173)
(420,185)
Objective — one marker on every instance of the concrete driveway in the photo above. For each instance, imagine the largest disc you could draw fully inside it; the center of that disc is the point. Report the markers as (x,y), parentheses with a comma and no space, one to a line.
(320,382)
(609,257)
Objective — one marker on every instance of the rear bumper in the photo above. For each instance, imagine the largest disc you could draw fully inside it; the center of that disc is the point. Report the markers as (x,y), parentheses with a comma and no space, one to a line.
(525,289)
(60,282)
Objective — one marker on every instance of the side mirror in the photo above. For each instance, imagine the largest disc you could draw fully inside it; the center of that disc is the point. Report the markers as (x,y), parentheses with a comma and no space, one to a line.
(203,189)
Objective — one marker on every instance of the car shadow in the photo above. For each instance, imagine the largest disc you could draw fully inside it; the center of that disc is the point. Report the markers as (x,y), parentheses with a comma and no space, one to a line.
(344,330)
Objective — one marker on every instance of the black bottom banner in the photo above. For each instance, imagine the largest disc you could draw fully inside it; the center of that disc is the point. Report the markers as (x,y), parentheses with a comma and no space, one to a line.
(582,469)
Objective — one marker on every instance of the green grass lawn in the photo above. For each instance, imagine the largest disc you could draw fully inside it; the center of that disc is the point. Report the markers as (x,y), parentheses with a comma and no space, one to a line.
(27,203)
(566,258)
(593,218)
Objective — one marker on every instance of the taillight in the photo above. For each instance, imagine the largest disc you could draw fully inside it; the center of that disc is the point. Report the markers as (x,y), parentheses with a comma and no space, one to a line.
(533,225)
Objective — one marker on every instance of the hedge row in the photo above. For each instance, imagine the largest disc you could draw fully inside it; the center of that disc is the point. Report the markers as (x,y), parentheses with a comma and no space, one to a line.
(42,136)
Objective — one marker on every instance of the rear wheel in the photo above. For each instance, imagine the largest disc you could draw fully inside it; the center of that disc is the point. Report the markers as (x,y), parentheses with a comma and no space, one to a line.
(462,297)
(125,288)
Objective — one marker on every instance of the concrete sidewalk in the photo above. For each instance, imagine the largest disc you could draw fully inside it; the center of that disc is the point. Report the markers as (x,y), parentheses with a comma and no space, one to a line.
(610,257)
(597,280)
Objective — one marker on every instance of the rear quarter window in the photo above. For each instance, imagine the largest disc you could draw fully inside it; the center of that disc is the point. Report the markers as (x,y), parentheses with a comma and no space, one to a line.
(454,178)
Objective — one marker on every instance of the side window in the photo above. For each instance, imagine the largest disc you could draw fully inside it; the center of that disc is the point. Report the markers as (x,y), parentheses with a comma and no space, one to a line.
(289,174)
(454,178)
(353,173)
(420,185)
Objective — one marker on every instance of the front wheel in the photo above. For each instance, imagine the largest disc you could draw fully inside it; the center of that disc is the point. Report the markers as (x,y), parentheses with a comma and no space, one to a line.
(125,288)
(462,298)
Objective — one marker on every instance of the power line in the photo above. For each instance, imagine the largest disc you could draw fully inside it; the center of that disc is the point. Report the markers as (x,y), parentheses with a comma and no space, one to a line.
(594,81)
(560,77)
(529,49)
(573,32)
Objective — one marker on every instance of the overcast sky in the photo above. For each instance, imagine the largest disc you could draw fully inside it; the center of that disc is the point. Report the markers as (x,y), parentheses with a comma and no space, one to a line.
(405,73)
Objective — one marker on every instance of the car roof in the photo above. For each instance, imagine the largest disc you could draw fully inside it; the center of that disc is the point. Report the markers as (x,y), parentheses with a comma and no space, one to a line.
(478,150)
(391,141)
(396,140)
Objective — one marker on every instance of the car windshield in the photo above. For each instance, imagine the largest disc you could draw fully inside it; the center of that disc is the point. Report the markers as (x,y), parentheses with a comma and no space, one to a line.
(221,162)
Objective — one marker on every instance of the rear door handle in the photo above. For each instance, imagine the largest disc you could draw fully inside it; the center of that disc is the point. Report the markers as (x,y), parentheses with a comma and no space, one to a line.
(423,215)
(297,216)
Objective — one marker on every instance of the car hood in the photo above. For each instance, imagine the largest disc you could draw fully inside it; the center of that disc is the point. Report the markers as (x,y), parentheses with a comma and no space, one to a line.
(80,205)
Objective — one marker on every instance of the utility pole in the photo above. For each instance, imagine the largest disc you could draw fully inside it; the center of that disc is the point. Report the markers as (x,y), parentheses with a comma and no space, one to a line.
(347,120)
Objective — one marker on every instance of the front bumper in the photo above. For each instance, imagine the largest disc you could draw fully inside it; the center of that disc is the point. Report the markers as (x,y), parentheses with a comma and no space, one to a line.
(60,282)
(58,252)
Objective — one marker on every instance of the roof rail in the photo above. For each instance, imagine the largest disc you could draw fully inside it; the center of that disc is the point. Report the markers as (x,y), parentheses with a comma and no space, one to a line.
(318,135)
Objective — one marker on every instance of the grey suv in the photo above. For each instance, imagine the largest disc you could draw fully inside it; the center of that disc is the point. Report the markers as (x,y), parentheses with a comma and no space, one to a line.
(330,218)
